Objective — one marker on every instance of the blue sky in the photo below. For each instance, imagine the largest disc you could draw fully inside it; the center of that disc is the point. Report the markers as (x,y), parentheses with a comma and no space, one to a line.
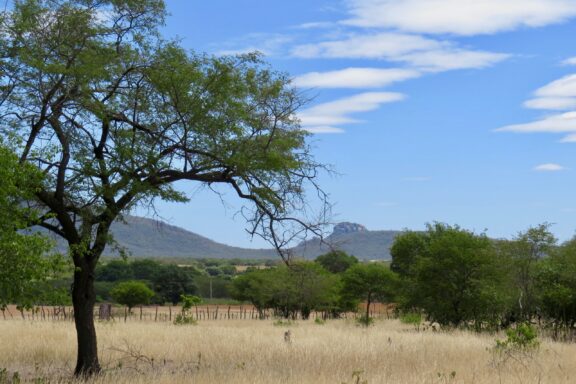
(460,111)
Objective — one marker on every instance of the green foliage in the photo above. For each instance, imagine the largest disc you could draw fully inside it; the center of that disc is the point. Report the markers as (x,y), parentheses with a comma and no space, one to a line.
(365,320)
(131,293)
(217,287)
(520,343)
(405,251)
(284,323)
(168,281)
(523,337)
(116,270)
(454,276)
(112,116)
(555,288)
(525,254)
(370,282)
(301,288)
(172,281)
(25,261)
(412,318)
(357,377)
(336,261)
(185,318)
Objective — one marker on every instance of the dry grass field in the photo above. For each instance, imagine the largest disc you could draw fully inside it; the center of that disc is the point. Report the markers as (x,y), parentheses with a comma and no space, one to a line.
(249,351)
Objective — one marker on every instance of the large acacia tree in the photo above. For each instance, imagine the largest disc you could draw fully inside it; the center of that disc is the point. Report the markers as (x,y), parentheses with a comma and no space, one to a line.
(114,116)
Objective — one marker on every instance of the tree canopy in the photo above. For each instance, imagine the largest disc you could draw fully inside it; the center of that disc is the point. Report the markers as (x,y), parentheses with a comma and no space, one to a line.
(336,261)
(132,293)
(113,116)
(370,282)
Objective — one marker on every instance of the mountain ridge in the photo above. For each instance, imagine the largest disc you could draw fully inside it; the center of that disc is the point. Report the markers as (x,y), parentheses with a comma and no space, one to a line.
(144,237)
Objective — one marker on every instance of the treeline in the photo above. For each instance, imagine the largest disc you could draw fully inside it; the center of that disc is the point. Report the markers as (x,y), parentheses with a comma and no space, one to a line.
(206,278)
(458,278)
(447,274)
(334,283)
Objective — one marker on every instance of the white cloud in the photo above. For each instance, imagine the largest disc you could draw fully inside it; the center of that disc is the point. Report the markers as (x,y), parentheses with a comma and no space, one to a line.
(569,139)
(316,25)
(569,61)
(376,46)
(551,103)
(267,44)
(323,129)
(559,95)
(562,123)
(549,167)
(564,87)
(337,112)
(460,17)
(451,59)
(355,78)
(418,51)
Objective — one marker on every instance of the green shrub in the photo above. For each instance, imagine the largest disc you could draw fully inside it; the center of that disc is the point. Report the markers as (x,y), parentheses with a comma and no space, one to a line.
(412,318)
(184,319)
(365,320)
(523,337)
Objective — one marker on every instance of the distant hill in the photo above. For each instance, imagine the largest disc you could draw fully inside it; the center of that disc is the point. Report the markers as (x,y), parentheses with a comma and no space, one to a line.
(353,239)
(143,237)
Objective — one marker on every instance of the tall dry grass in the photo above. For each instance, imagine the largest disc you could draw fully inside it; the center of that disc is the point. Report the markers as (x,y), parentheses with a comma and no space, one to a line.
(255,352)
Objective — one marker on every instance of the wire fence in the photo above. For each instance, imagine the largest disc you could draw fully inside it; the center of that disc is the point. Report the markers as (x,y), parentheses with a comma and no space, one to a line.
(107,312)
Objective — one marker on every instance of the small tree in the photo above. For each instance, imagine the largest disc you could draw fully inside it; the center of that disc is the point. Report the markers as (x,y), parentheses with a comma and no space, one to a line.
(336,261)
(456,278)
(370,282)
(131,293)
(188,301)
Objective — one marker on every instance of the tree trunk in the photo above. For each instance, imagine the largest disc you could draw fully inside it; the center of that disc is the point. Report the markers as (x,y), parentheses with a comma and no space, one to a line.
(83,300)
(368,302)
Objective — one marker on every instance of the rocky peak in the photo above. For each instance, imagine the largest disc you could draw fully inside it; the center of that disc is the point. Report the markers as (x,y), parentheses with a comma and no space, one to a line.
(342,228)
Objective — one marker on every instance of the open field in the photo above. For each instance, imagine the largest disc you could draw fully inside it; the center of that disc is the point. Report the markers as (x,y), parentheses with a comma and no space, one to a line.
(248,351)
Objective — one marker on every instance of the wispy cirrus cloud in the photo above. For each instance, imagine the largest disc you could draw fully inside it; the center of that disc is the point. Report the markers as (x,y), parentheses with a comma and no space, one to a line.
(558,95)
(563,87)
(416,51)
(355,78)
(458,17)
(551,103)
(560,123)
(367,46)
(569,61)
(323,118)
(549,167)
(267,44)
(403,32)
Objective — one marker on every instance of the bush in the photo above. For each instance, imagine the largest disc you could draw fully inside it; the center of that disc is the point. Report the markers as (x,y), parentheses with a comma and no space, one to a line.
(365,320)
(524,337)
(412,318)
(184,318)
